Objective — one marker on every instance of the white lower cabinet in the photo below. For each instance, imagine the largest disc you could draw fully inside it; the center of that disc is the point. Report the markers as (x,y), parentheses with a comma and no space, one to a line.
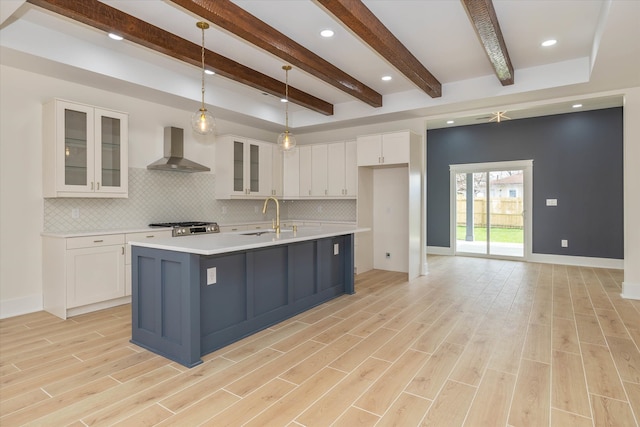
(95,274)
(88,273)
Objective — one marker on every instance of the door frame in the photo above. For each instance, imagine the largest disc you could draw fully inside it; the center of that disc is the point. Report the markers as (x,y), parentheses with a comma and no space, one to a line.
(527,167)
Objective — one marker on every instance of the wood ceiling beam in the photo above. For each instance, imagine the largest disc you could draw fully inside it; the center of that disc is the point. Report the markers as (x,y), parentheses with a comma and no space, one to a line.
(103,17)
(485,22)
(359,19)
(226,15)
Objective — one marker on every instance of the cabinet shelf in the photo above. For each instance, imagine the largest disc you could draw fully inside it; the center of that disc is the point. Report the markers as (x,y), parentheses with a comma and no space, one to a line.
(76,143)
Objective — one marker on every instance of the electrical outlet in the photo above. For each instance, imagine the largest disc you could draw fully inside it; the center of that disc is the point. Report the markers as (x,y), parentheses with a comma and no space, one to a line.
(552,202)
(75,213)
(336,248)
(564,243)
(319,208)
(388,255)
(212,276)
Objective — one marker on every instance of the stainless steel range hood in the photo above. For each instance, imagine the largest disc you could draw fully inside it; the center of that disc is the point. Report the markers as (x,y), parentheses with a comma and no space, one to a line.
(173,159)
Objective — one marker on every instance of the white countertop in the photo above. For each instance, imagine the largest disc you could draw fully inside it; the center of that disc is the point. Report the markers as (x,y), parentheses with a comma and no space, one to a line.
(67,234)
(219,243)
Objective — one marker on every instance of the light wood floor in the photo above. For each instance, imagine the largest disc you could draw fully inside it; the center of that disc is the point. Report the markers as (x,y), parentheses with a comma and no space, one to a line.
(476,342)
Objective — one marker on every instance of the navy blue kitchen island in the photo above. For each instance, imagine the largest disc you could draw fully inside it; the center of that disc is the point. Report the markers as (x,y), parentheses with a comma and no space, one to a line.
(193,295)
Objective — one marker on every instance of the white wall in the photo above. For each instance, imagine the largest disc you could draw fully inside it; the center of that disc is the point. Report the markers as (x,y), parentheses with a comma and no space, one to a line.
(390,218)
(21,203)
(631,285)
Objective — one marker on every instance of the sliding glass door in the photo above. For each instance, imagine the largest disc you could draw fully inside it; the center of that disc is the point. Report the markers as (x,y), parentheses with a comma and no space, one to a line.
(489,203)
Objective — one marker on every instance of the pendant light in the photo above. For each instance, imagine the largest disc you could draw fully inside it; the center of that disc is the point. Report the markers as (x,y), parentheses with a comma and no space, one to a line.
(286,140)
(202,121)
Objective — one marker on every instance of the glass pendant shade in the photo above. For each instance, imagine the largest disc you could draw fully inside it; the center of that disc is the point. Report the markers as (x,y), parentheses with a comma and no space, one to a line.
(203,122)
(286,140)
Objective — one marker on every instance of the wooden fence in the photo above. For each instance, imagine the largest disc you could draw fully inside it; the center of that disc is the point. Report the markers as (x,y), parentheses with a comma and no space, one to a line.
(506,212)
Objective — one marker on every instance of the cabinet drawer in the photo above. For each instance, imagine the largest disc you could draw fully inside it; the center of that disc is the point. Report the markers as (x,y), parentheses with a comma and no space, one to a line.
(95,241)
(143,235)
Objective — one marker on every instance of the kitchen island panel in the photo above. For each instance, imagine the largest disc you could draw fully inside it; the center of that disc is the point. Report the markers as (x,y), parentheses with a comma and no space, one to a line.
(182,310)
(166,304)
(268,281)
(230,287)
(302,258)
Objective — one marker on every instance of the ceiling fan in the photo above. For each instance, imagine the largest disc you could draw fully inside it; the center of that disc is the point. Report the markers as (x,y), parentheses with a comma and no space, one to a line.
(499,116)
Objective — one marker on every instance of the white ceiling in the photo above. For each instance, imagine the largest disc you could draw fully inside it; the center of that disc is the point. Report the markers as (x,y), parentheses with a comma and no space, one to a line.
(597,51)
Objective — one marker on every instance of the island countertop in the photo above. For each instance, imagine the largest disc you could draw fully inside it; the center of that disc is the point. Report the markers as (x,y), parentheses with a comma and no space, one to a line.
(219,243)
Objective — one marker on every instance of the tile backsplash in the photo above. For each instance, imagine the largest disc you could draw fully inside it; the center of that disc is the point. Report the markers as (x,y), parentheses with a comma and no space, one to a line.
(161,196)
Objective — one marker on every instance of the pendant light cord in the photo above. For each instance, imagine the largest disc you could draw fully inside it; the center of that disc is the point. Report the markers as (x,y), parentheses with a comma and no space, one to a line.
(286,96)
(202,52)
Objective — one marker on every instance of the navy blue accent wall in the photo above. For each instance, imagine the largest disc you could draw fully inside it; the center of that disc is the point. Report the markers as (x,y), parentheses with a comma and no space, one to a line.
(577,159)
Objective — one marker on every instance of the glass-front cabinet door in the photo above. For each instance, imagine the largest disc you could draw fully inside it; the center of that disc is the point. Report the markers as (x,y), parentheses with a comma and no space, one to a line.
(249,168)
(85,151)
(111,149)
(76,131)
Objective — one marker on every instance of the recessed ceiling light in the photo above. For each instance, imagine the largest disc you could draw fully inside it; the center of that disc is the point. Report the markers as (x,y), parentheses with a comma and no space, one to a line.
(283,100)
(576,105)
(386,78)
(326,33)
(450,122)
(549,42)
(115,36)
(210,72)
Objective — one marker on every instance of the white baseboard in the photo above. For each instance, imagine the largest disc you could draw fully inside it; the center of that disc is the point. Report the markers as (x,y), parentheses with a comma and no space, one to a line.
(17,306)
(439,250)
(98,306)
(578,261)
(630,290)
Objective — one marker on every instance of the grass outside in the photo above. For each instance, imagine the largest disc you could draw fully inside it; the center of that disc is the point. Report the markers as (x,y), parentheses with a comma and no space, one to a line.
(498,235)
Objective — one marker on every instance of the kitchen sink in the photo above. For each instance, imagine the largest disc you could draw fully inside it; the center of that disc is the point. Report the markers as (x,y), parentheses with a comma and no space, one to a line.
(261,232)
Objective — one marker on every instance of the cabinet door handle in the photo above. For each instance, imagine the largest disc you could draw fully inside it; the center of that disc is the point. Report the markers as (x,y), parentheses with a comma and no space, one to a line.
(123,250)
(326,192)
(98,241)
(150,236)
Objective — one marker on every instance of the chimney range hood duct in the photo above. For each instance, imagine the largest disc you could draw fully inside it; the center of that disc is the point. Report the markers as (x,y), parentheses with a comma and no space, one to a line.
(173,159)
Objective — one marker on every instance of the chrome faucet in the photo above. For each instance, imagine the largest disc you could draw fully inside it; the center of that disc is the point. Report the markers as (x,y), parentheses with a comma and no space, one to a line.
(264,211)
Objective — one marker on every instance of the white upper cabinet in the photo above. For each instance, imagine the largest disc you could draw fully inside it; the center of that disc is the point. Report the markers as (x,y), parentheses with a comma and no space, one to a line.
(342,169)
(384,149)
(305,170)
(336,169)
(243,168)
(291,174)
(277,183)
(85,151)
(351,169)
(319,170)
